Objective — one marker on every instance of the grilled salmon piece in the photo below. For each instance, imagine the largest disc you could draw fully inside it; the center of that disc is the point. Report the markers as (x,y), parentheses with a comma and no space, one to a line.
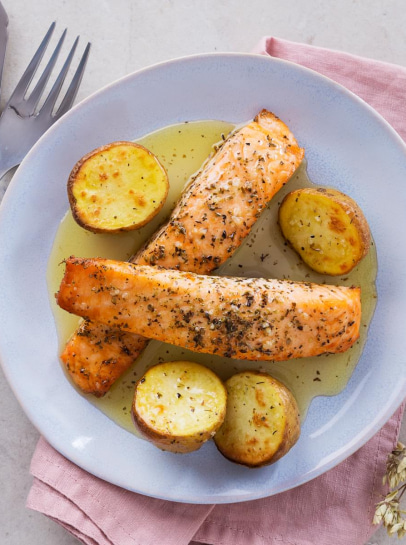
(214,215)
(245,318)
(218,209)
(96,355)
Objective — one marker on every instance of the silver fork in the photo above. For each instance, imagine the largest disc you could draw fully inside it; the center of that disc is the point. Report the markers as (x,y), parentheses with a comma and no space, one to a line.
(22,123)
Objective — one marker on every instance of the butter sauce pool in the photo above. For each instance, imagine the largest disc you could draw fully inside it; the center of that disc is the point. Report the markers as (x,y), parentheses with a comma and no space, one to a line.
(182,149)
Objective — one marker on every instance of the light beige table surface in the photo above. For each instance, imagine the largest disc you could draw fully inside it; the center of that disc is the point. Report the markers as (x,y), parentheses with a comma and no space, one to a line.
(130,34)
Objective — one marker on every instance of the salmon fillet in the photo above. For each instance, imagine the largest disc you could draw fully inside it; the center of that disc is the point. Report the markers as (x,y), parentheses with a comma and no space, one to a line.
(245,318)
(212,218)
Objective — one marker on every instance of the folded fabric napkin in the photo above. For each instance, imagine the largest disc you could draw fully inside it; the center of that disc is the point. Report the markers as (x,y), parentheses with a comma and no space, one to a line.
(336,507)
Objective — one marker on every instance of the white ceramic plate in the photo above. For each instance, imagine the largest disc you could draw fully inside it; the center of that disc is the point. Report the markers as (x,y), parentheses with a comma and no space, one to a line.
(347,146)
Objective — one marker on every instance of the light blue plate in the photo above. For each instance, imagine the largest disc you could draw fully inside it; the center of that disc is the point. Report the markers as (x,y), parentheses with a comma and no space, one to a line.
(348,145)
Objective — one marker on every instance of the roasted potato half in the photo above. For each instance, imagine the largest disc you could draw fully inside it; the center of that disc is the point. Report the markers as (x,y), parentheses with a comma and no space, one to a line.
(326,228)
(117,187)
(179,405)
(262,420)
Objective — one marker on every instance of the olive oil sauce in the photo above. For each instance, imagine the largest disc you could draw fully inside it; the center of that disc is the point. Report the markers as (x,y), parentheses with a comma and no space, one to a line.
(182,149)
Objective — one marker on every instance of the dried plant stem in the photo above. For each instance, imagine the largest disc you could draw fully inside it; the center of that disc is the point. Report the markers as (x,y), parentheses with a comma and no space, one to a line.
(388,510)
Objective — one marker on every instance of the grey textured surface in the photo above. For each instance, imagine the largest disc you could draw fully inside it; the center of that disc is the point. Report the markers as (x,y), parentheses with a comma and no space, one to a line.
(128,35)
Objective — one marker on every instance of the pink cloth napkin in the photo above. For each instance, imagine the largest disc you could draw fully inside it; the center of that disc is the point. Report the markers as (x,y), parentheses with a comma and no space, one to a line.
(337,507)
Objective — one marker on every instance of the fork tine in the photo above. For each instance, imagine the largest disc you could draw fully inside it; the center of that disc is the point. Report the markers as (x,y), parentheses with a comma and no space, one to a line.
(54,92)
(36,94)
(20,125)
(26,78)
(73,88)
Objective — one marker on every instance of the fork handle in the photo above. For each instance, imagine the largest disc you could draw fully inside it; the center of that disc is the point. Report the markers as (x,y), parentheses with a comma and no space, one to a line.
(11,151)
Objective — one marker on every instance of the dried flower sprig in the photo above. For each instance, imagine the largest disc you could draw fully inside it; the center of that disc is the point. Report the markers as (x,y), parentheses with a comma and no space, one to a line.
(388,511)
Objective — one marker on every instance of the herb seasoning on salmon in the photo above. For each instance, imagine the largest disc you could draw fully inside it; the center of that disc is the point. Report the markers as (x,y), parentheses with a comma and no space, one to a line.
(245,318)
(212,218)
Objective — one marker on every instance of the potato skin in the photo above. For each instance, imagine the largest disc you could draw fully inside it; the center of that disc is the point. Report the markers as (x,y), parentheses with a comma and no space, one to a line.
(262,420)
(104,188)
(179,405)
(326,228)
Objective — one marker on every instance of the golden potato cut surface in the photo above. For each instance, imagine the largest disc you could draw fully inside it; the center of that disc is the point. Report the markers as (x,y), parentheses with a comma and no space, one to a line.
(326,228)
(262,420)
(179,405)
(117,187)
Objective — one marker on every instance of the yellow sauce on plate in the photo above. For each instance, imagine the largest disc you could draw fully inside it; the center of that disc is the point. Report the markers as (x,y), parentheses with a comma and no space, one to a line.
(182,149)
